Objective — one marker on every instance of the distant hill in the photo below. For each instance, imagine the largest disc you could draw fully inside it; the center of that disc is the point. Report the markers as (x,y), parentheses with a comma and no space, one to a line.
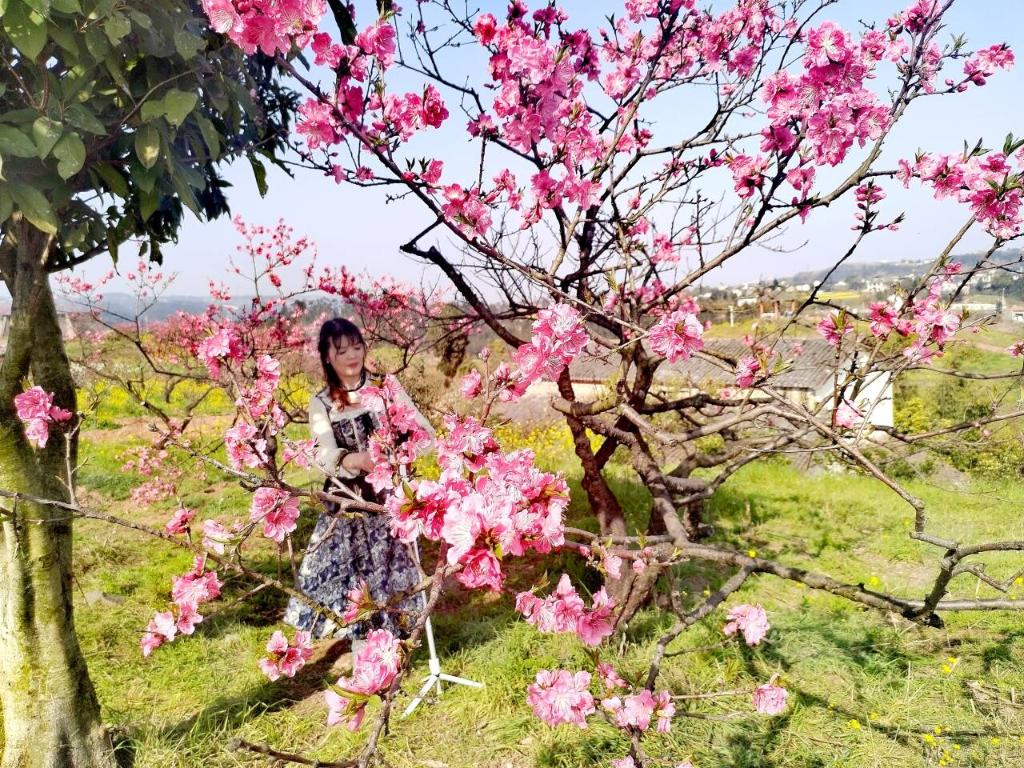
(894,269)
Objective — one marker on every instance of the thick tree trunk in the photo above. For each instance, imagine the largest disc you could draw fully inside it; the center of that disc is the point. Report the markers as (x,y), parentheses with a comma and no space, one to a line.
(611,520)
(50,710)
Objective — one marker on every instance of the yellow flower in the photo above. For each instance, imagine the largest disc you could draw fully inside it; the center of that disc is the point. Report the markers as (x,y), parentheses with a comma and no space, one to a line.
(751,553)
(996,740)
(855,725)
(956,747)
(938,730)
(929,739)
(874,581)
(946,668)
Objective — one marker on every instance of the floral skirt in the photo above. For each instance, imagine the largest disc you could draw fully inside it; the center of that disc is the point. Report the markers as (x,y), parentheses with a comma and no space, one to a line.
(342,552)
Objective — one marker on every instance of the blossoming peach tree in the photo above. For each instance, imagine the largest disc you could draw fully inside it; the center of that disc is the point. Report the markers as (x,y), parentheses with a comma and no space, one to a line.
(622,219)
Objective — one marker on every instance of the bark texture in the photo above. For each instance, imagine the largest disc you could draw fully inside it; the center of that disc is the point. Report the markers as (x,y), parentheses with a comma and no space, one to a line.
(51,715)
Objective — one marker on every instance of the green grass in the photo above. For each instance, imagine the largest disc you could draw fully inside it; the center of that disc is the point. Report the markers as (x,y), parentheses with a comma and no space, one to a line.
(840,663)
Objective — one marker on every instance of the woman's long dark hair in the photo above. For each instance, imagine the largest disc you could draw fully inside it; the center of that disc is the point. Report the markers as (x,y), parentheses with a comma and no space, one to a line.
(331,332)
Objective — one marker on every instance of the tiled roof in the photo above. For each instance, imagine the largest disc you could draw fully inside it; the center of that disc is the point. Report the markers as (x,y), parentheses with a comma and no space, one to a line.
(811,370)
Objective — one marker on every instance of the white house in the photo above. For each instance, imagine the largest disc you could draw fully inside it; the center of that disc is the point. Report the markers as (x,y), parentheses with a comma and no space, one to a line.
(809,381)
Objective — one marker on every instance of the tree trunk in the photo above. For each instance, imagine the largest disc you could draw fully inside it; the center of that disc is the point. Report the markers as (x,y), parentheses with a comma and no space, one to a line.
(50,710)
(611,520)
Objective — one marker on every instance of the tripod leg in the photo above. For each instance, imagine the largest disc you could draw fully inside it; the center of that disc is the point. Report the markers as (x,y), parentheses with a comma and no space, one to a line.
(427,685)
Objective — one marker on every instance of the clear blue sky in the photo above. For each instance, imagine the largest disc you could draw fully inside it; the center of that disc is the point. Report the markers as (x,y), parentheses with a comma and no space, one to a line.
(356,228)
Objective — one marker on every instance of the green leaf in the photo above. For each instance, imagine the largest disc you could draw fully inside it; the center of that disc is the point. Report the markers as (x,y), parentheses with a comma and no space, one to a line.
(113,178)
(152,109)
(70,153)
(6,205)
(210,136)
(35,207)
(46,132)
(67,6)
(187,43)
(259,172)
(42,7)
(178,105)
(147,145)
(148,203)
(14,143)
(82,118)
(26,28)
(117,27)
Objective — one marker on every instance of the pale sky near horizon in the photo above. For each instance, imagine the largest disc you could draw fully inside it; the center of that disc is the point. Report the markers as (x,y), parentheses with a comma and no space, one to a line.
(356,228)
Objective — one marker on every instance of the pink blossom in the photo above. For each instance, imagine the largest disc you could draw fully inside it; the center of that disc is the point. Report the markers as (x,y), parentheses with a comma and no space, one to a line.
(746,371)
(36,411)
(677,336)
(179,522)
(770,699)
(750,620)
(375,668)
(559,696)
(197,586)
(434,111)
(633,711)
(847,415)
(747,173)
(485,27)
(162,628)
(833,327)
(1016,349)
(359,603)
(277,509)
(286,658)
(188,617)
(472,384)
(610,679)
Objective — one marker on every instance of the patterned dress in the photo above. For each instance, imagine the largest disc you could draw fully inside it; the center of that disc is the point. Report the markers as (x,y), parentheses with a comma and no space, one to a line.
(343,551)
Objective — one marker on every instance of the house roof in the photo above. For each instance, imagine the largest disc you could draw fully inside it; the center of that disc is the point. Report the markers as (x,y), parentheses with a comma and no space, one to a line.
(811,370)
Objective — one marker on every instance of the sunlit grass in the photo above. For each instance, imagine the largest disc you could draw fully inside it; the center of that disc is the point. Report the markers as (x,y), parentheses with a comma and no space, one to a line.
(841,663)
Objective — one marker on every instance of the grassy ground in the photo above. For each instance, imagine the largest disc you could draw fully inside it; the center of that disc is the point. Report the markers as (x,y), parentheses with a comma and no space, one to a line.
(865,690)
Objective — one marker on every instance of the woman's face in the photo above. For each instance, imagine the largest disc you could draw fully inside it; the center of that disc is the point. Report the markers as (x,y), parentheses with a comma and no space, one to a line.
(346,356)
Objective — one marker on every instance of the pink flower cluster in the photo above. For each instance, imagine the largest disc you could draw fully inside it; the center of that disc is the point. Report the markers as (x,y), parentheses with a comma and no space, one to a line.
(266,25)
(225,344)
(400,438)
(635,711)
(558,336)
(188,591)
(245,446)
(989,184)
(749,620)
(278,511)
(564,611)
(834,326)
(677,335)
(180,521)
(285,658)
(828,102)
(37,412)
(484,506)
(561,697)
(374,669)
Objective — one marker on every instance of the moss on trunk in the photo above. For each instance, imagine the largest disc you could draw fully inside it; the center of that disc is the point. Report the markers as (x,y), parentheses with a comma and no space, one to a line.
(51,714)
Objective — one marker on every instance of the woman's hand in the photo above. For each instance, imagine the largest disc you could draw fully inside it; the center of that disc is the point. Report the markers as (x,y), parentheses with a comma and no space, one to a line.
(358,462)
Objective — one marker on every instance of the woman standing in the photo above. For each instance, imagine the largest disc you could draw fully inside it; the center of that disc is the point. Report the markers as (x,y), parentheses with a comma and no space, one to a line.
(346,551)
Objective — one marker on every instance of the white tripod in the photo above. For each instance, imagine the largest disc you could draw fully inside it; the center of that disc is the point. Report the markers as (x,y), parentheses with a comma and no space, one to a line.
(434,664)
